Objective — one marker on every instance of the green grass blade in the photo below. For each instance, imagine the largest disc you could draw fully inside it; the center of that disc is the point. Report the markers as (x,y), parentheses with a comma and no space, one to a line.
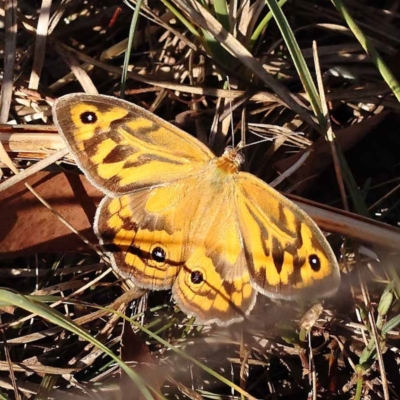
(222,13)
(186,356)
(314,98)
(387,75)
(55,317)
(182,19)
(127,57)
(262,25)
(298,61)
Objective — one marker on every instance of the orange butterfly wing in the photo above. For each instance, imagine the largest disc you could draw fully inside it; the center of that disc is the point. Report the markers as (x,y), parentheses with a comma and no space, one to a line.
(122,147)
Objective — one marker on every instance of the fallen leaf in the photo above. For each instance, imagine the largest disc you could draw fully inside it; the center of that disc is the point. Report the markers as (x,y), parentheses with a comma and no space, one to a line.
(28,227)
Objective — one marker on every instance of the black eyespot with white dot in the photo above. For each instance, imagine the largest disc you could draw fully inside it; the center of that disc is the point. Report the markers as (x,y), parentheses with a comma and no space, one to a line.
(315,262)
(158,254)
(88,117)
(197,277)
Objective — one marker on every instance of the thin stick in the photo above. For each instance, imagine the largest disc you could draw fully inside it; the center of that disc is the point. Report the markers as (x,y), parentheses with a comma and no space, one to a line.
(290,170)
(329,132)
(33,169)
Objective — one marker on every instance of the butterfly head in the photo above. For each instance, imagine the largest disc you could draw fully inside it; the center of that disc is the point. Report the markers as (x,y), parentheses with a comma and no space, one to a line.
(231,160)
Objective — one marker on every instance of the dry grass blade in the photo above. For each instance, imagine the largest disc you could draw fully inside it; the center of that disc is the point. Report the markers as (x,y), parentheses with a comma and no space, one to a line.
(10,368)
(9,57)
(374,331)
(351,225)
(174,86)
(39,166)
(40,45)
(8,73)
(329,132)
(57,318)
(78,71)
(208,22)
(30,139)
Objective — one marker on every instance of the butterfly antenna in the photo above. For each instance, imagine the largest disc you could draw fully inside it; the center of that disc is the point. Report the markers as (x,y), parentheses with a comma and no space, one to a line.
(230,107)
(274,130)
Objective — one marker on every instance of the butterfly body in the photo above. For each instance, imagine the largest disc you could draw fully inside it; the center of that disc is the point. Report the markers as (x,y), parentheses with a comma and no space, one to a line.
(177,217)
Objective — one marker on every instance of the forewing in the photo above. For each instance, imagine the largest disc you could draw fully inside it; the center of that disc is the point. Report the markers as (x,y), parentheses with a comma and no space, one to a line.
(287,254)
(122,147)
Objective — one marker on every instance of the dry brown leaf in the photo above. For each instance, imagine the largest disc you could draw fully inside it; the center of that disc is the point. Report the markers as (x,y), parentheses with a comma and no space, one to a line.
(29,227)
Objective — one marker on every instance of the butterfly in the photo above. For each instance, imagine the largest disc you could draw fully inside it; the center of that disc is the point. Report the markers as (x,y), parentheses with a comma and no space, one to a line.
(175,216)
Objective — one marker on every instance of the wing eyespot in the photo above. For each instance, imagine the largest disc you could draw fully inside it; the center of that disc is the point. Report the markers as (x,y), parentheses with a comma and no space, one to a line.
(88,117)
(315,262)
(158,254)
(196,277)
